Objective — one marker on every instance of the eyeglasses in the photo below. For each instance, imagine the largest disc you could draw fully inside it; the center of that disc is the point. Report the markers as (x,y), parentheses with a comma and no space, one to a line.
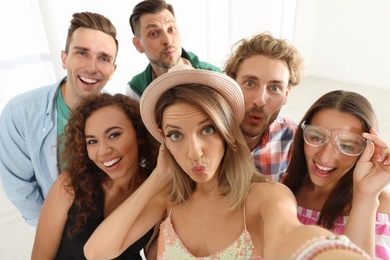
(348,143)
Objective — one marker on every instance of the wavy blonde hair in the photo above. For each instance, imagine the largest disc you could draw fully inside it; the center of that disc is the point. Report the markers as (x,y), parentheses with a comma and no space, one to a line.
(265,44)
(236,171)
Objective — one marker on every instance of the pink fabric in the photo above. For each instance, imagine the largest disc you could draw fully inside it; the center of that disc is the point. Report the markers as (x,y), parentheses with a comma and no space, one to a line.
(382,237)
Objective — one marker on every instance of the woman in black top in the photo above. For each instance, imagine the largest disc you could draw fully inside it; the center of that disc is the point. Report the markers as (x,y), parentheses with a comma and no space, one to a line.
(107,155)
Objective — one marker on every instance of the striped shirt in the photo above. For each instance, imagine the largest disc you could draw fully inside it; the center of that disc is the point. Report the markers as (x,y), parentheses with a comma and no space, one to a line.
(382,229)
(273,152)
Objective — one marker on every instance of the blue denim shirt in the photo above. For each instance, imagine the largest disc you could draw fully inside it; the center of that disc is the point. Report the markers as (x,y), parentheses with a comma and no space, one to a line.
(28,154)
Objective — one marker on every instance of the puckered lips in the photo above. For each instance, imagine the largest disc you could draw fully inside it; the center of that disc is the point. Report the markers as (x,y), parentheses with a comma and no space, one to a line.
(198,169)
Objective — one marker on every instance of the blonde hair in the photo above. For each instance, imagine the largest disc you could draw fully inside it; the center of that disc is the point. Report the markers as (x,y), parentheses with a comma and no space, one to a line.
(237,170)
(266,44)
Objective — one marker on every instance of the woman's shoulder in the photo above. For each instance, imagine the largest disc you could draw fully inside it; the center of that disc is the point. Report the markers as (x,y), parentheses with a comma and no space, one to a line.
(270,193)
(274,203)
(62,187)
(270,186)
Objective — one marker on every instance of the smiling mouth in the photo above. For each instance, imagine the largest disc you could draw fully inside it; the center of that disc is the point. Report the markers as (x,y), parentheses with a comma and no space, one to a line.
(112,162)
(323,170)
(88,80)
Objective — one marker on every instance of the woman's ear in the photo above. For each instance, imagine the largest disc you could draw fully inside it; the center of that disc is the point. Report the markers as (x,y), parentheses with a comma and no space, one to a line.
(162,136)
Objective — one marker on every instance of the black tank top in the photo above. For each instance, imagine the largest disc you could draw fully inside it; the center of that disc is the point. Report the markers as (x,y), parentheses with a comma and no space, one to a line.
(72,248)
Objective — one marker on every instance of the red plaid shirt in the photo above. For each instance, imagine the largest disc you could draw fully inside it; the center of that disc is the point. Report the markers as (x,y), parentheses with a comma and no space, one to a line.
(273,152)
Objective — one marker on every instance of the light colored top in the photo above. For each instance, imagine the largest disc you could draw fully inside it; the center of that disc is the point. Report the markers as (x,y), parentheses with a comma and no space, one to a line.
(382,229)
(171,247)
(28,154)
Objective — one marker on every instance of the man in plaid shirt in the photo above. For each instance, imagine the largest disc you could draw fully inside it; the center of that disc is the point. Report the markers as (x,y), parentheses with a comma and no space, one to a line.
(266,68)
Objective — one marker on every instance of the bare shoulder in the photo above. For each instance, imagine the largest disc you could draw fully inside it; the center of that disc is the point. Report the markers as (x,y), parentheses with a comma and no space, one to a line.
(61,188)
(384,200)
(275,205)
(271,194)
(270,188)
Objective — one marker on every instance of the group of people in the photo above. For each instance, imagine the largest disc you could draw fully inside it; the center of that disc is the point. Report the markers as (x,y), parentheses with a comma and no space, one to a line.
(190,150)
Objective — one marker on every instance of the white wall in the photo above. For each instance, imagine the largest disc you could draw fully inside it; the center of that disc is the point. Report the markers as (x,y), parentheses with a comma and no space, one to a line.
(208,27)
(35,32)
(345,40)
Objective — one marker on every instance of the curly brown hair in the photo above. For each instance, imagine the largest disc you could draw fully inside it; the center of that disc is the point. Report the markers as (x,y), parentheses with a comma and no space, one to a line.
(85,178)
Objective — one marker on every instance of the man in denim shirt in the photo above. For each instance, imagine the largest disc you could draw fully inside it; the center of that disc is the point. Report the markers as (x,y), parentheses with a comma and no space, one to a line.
(31,123)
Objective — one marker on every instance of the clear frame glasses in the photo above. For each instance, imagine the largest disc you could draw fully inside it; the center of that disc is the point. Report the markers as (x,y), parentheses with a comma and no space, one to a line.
(348,143)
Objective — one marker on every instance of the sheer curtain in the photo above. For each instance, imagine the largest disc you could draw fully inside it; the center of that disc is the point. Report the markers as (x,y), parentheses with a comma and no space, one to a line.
(25,60)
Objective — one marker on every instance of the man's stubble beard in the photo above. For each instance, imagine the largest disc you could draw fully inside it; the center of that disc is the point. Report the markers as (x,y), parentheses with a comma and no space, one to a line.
(166,65)
(253,130)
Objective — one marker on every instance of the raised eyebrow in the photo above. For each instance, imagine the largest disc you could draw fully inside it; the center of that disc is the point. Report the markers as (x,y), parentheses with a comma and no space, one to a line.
(250,77)
(154,25)
(206,120)
(105,132)
(277,82)
(178,127)
(111,128)
(172,126)
(171,21)
(151,25)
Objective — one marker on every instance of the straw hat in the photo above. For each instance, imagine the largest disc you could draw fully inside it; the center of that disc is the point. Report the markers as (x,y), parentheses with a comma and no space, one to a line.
(185,74)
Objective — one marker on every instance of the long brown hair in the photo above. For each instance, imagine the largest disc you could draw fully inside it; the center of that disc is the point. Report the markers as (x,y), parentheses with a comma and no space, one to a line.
(340,198)
(85,177)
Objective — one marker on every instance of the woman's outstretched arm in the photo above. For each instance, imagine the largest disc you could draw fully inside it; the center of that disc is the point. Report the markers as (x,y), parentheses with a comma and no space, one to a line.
(133,218)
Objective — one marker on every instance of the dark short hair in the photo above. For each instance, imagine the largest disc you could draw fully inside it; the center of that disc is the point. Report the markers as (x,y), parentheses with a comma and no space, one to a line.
(147,7)
(93,21)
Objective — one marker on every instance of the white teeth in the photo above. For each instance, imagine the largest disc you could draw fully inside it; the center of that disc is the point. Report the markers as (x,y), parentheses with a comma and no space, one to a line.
(112,162)
(323,168)
(91,81)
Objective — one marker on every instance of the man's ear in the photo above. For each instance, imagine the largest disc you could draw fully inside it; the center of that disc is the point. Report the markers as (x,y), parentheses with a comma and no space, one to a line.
(63,59)
(137,44)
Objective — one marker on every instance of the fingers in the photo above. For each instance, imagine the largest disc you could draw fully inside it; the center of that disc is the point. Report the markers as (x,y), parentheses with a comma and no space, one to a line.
(374,137)
(384,157)
(368,152)
(382,150)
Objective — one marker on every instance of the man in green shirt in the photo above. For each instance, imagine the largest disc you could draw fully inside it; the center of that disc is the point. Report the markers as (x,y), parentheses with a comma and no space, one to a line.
(156,34)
